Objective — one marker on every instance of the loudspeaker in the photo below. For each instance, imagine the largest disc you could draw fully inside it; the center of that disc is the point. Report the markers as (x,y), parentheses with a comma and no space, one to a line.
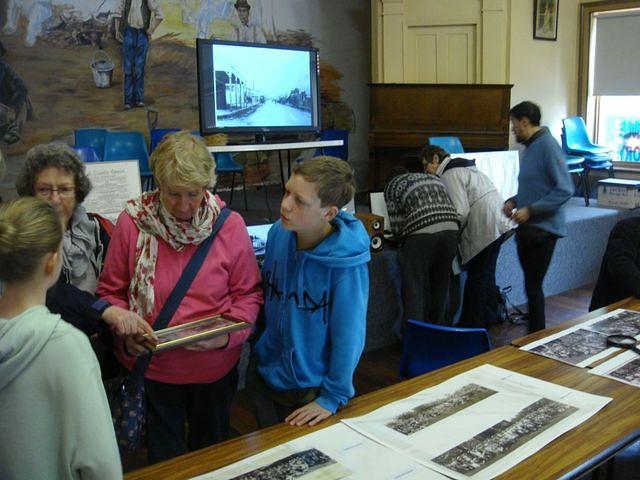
(374,224)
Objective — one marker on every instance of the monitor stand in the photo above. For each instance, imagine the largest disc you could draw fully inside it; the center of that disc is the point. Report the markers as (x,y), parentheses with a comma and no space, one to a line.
(261,138)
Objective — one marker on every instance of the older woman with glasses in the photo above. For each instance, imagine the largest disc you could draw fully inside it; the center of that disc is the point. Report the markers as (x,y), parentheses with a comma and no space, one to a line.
(53,172)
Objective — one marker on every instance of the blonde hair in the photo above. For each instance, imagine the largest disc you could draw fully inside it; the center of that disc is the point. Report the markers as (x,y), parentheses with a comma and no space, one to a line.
(182,160)
(333,177)
(29,229)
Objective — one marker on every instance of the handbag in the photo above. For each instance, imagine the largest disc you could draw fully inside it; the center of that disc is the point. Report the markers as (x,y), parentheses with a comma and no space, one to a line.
(126,392)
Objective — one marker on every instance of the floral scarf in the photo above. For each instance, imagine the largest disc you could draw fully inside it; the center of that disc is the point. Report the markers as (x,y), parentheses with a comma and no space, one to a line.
(154,221)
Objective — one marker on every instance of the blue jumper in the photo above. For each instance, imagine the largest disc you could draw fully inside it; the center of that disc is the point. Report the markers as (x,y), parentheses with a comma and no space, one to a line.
(544,184)
(315,310)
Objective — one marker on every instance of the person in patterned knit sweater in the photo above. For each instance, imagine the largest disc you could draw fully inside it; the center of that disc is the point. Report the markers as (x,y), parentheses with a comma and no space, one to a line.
(425,221)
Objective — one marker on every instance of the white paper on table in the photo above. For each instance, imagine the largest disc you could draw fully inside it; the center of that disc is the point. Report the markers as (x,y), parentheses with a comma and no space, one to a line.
(467,406)
(586,343)
(358,457)
(624,368)
(501,167)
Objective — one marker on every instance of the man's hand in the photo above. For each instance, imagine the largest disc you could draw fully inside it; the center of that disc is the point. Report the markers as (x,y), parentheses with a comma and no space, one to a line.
(508,207)
(211,344)
(118,31)
(138,344)
(522,215)
(124,322)
(310,414)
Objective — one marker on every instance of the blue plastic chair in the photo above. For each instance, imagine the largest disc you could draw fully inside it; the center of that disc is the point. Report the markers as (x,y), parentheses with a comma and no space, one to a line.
(226,164)
(340,152)
(427,347)
(157,134)
(91,137)
(129,146)
(87,154)
(450,144)
(577,140)
(576,166)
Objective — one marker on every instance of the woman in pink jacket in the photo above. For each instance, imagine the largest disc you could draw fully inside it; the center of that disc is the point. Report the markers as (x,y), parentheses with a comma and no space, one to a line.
(152,242)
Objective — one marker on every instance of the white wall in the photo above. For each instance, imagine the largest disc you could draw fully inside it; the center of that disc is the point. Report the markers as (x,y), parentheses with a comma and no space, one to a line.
(542,71)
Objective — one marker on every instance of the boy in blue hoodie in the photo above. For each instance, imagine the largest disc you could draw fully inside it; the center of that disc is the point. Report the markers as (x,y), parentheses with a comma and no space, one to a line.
(316,287)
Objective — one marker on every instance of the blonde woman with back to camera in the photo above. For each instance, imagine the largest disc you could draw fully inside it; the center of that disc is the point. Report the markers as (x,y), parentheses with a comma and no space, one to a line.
(54,417)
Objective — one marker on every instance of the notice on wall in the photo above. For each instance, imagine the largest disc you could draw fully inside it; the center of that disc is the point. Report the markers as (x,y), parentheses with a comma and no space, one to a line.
(480,423)
(113,184)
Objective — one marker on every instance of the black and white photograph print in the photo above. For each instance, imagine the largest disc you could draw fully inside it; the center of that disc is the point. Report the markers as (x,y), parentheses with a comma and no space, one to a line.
(309,464)
(629,372)
(626,322)
(575,347)
(498,441)
(427,414)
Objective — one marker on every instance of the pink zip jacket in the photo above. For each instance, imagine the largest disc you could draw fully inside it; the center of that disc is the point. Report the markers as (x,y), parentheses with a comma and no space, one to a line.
(228,282)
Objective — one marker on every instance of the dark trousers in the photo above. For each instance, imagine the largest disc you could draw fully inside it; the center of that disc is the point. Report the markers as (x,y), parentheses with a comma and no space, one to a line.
(481,294)
(271,406)
(134,56)
(202,410)
(535,249)
(425,262)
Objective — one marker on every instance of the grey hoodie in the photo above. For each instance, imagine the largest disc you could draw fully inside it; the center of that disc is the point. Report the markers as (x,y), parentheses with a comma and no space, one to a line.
(54,417)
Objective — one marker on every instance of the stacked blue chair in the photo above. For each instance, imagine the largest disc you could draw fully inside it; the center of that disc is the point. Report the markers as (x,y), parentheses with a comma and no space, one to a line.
(450,144)
(157,134)
(87,154)
(91,137)
(129,146)
(427,347)
(226,164)
(340,152)
(575,165)
(575,141)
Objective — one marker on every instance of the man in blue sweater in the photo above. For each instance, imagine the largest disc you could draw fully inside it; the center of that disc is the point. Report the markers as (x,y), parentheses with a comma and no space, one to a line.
(544,186)
(316,289)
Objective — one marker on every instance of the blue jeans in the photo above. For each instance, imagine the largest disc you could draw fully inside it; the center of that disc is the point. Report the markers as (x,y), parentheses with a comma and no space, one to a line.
(134,56)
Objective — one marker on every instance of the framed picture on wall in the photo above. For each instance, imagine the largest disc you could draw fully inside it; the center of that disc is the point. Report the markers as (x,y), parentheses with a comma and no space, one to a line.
(545,19)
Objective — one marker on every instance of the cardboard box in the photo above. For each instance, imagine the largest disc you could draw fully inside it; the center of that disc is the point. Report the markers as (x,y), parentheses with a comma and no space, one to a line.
(618,193)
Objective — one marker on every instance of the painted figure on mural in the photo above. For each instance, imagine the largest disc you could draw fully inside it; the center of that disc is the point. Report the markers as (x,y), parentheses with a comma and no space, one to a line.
(14,102)
(135,22)
(37,12)
(247,31)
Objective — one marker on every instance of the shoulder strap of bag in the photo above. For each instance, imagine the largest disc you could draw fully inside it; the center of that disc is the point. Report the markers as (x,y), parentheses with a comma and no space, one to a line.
(179,291)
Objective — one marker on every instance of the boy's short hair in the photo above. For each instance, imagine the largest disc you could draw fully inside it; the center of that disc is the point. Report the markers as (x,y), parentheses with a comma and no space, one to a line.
(527,109)
(333,177)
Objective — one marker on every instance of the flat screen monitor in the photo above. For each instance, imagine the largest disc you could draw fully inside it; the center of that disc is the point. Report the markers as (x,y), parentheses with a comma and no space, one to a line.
(257,88)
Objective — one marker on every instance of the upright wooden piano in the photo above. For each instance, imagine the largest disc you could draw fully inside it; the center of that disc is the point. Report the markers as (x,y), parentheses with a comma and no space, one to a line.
(404,115)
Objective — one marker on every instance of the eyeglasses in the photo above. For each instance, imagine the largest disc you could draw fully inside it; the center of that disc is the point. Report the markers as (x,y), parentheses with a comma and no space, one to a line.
(64,192)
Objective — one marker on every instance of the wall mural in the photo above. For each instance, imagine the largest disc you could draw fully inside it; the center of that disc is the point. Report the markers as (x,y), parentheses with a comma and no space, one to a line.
(69,64)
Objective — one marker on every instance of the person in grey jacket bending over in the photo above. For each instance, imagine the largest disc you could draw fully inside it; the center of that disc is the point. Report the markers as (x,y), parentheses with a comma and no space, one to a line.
(544,186)
(483,230)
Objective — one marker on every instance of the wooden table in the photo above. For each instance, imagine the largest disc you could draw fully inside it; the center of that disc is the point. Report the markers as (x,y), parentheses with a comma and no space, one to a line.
(630,303)
(578,451)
